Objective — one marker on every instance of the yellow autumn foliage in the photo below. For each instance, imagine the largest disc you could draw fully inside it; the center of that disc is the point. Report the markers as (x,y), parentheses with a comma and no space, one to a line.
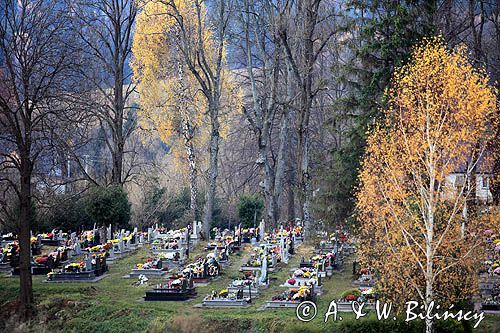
(439,118)
(167,98)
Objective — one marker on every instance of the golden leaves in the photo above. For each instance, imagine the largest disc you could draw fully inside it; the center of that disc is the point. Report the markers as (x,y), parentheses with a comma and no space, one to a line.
(440,111)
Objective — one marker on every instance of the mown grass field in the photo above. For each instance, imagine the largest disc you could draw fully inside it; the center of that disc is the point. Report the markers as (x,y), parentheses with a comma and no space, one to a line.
(115,304)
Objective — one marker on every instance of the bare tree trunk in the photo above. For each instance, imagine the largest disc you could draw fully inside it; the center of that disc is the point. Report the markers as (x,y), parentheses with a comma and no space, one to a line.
(26,292)
(284,148)
(429,247)
(270,201)
(213,170)
(188,133)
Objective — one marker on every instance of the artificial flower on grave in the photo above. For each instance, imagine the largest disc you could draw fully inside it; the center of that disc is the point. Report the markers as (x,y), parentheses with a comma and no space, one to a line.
(139,266)
(95,248)
(42,259)
(298,273)
(223,293)
(351,294)
(496,241)
(303,292)
(177,282)
(114,241)
(291,281)
(33,240)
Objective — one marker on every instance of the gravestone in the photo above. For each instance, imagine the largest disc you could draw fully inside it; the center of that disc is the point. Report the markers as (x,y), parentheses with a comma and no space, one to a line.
(263,270)
(78,248)
(195,230)
(102,235)
(262,230)
(150,235)
(88,262)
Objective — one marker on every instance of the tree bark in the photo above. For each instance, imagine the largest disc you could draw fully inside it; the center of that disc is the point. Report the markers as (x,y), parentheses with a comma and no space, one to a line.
(188,133)
(284,150)
(26,289)
(213,170)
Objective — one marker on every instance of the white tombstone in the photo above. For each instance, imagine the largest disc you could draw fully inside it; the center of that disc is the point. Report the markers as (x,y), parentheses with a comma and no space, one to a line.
(141,238)
(109,233)
(263,269)
(216,253)
(182,254)
(60,236)
(150,235)
(195,230)
(135,230)
(78,248)
(262,230)
(88,262)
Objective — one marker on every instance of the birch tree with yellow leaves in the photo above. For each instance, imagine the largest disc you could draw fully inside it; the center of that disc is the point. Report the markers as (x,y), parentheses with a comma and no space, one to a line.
(179,66)
(440,116)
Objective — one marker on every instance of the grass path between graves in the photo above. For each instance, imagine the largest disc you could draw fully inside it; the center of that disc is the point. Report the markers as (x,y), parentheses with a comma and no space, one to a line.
(115,304)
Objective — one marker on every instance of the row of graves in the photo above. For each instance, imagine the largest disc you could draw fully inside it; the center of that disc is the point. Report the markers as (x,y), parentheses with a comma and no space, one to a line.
(363,290)
(99,248)
(178,277)
(169,250)
(274,250)
(71,257)
(304,282)
(254,277)
(91,252)
(489,277)
(41,263)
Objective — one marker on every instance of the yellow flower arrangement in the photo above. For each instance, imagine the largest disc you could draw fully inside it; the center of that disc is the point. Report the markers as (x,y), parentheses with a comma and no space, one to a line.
(223,292)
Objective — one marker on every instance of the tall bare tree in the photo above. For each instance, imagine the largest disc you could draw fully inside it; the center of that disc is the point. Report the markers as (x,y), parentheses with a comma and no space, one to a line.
(262,48)
(105,27)
(305,34)
(35,72)
(206,64)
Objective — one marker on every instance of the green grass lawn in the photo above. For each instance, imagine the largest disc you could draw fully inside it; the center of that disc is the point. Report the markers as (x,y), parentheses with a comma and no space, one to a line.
(115,304)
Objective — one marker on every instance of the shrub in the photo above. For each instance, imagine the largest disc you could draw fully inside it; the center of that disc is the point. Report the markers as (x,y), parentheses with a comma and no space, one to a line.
(250,210)
(108,205)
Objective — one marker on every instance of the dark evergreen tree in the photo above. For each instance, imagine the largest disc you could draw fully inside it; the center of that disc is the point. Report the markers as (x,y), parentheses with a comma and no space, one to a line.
(379,37)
